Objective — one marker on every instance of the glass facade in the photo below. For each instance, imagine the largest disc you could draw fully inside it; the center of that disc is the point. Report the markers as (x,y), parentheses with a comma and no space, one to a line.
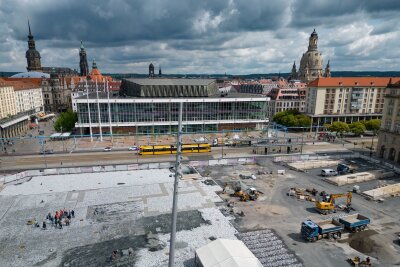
(208,114)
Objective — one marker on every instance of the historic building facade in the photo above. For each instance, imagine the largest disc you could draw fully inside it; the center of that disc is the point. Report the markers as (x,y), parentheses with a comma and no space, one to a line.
(389,135)
(56,94)
(311,63)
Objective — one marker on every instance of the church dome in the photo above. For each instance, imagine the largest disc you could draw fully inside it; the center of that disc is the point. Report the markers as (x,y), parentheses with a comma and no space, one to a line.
(31,74)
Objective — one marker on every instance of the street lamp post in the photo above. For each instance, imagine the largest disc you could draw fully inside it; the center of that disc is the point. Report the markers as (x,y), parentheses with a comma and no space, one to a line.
(178,174)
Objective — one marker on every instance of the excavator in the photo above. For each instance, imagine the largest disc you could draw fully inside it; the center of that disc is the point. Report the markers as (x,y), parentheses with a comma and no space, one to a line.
(327,206)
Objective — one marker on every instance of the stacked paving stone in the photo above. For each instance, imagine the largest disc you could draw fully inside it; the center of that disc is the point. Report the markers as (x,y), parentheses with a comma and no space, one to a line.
(269,249)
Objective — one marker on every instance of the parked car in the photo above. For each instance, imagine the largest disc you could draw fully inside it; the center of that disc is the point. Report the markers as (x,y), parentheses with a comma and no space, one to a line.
(107,148)
(133,148)
(328,172)
(47,151)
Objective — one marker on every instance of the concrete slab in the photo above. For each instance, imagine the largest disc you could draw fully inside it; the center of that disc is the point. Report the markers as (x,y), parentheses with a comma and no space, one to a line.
(358,177)
(384,191)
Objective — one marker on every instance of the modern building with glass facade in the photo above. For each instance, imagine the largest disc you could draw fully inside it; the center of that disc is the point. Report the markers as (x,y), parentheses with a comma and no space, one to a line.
(204,109)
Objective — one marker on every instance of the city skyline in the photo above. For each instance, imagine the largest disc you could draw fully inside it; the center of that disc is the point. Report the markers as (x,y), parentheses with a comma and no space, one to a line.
(189,37)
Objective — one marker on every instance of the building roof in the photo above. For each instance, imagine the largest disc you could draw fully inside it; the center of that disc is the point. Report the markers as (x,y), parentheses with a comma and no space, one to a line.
(161,81)
(31,74)
(22,85)
(227,253)
(36,81)
(352,81)
(104,95)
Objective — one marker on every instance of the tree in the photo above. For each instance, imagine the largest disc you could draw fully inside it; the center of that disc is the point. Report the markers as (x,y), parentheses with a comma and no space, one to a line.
(303,120)
(66,121)
(357,128)
(339,127)
(292,118)
(373,125)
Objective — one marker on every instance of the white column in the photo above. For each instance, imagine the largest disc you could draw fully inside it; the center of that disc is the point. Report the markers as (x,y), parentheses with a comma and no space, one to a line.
(88,106)
(98,111)
(109,109)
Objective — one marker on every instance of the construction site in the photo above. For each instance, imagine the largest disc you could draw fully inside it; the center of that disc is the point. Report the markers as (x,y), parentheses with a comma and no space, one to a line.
(307,210)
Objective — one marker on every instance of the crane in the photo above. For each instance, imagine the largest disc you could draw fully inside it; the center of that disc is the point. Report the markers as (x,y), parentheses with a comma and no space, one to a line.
(326,207)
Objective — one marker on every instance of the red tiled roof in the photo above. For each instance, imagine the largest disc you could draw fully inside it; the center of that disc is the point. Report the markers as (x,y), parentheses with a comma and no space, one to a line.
(36,81)
(22,85)
(352,81)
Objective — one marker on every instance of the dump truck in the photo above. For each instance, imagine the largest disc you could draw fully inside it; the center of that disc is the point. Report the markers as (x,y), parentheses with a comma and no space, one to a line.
(313,231)
(355,222)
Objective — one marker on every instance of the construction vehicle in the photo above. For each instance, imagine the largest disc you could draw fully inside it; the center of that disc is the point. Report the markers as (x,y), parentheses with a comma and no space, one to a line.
(333,228)
(357,262)
(312,231)
(327,205)
(343,168)
(355,222)
(247,194)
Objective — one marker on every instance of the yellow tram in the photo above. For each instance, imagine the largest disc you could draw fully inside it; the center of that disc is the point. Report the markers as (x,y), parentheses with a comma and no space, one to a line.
(171,149)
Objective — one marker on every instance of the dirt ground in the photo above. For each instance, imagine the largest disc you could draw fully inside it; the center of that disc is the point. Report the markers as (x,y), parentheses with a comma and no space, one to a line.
(275,210)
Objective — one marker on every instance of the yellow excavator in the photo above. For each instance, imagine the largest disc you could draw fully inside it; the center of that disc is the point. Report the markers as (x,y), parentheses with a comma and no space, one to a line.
(327,206)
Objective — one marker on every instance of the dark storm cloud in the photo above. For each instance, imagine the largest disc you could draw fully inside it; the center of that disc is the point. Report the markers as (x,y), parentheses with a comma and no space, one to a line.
(199,36)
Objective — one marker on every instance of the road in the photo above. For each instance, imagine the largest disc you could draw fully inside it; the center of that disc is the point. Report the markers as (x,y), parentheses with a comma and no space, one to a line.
(24,162)
(106,158)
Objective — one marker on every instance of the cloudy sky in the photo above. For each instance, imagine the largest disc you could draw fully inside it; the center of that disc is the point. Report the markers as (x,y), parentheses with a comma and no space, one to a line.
(202,36)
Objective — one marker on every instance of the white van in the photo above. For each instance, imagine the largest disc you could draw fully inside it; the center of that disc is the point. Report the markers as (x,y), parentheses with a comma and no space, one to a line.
(328,172)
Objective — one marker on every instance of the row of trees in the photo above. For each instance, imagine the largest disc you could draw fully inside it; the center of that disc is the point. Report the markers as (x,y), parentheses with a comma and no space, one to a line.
(292,118)
(356,128)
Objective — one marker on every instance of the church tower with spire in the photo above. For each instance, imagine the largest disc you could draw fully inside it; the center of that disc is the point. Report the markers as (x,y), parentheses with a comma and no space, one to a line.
(151,70)
(32,55)
(327,70)
(293,74)
(83,63)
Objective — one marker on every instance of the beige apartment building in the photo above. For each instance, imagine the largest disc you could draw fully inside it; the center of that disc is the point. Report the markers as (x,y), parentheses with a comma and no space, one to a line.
(346,99)
(7,100)
(19,100)
(28,97)
(389,137)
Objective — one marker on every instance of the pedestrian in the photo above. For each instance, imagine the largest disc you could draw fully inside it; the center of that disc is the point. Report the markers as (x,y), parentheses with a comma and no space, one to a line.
(130,252)
(55,221)
(66,222)
(60,224)
(73,213)
(44,225)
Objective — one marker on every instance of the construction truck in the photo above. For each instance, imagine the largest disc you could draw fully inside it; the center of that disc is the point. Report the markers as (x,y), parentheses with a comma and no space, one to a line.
(332,228)
(355,222)
(327,204)
(313,231)
(343,168)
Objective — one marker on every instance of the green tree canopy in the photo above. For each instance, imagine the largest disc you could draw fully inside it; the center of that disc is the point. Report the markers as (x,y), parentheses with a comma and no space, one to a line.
(339,127)
(292,118)
(373,125)
(66,121)
(357,128)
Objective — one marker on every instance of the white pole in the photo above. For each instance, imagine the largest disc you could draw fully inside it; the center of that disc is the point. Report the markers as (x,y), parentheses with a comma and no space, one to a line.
(109,110)
(178,174)
(88,106)
(98,111)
